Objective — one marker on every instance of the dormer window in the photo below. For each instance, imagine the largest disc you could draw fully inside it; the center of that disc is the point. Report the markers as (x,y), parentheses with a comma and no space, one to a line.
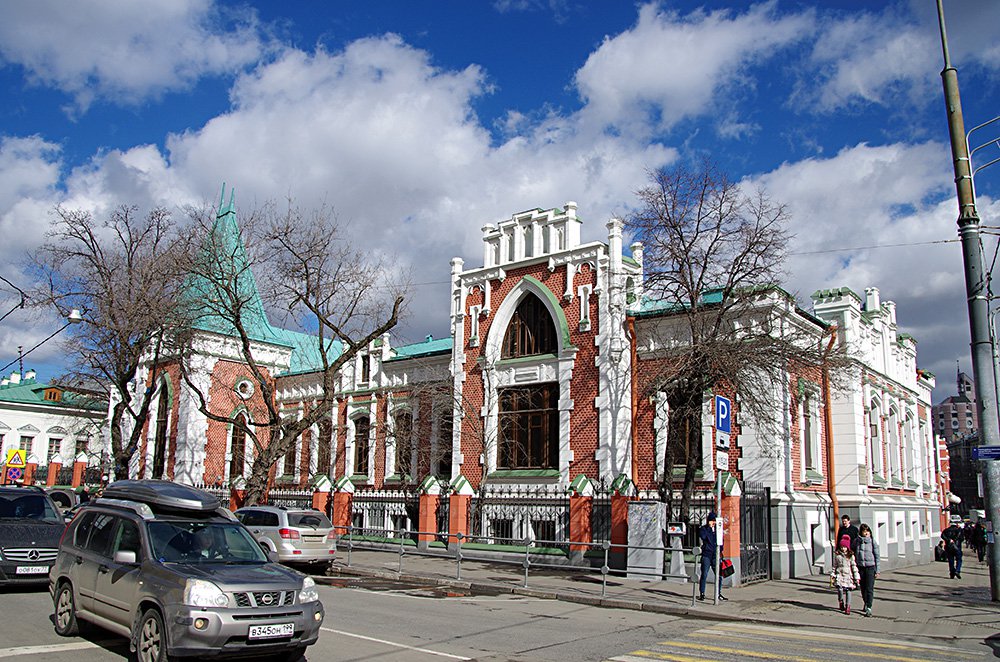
(531,331)
(52,395)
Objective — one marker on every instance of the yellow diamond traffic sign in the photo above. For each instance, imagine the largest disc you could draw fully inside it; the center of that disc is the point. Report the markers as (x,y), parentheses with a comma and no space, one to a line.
(16,458)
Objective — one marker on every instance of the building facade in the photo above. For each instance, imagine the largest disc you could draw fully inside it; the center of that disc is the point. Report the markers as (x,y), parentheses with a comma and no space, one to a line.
(550,379)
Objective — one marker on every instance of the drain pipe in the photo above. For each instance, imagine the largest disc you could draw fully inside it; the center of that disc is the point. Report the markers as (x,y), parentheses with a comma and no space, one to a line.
(831,481)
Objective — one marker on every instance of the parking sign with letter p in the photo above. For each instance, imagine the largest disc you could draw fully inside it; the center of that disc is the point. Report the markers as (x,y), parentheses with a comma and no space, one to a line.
(723,414)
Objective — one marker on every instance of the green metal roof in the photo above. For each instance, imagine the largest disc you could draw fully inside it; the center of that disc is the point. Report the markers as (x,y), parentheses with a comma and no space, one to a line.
(426,348)
(32,392)
(225,238)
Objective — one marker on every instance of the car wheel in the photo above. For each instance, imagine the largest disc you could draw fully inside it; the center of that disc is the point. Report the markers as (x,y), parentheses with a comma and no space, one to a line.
(151,641)
(65,608)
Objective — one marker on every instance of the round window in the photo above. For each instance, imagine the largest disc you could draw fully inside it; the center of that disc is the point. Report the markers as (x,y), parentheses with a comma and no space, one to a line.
(244,388)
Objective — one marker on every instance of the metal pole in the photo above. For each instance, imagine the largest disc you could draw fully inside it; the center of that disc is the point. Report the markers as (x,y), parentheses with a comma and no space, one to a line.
(978,301)
(718,523)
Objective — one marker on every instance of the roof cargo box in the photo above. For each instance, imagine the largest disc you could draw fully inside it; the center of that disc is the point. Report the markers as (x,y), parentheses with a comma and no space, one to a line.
(163,494)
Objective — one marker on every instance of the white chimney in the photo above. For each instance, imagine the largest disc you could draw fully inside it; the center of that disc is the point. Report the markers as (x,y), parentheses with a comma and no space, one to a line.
(15,377)
(29,375)
(872,302)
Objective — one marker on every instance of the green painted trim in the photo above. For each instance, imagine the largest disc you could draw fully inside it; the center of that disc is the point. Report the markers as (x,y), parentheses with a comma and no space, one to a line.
(878,480)
(560,315)
(399,478)
(525,359)
(897,482)
(519,549)
(524,473)
(814,475)
(912,484)
(359,478)
(679,472)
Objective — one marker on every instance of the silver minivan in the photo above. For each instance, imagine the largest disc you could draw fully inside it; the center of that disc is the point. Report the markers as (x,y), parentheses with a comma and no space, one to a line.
(296,535)
(166,566)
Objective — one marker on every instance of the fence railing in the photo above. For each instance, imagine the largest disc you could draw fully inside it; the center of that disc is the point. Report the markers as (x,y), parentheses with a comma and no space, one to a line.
(529,554)
(290,497)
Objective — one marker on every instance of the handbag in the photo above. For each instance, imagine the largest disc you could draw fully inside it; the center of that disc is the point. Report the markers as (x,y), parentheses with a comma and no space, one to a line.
(726,568)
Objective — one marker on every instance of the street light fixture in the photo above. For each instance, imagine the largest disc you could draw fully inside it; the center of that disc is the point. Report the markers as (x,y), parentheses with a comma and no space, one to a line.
(74,317)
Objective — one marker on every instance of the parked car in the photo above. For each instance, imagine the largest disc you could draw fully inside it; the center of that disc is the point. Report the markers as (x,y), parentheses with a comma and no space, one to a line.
(166,566)
(295,535)
(30,527)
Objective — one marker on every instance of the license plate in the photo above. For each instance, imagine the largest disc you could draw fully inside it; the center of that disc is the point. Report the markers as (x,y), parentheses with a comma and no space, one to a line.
(31,570)
(271,631)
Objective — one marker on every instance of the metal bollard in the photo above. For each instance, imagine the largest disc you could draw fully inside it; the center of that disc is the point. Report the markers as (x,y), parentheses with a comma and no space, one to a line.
(606,545)
(695,572)
(526,563)
(458,556)
(399,569)
(350,544)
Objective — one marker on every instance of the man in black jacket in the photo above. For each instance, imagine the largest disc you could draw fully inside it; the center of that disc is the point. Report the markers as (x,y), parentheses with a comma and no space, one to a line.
(847,529)
(952,537)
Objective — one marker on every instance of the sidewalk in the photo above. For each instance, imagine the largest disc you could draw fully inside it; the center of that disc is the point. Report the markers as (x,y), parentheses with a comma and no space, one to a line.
(920,600)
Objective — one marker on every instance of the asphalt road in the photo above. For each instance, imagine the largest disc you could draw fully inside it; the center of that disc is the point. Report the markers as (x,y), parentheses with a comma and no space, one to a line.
(370,619)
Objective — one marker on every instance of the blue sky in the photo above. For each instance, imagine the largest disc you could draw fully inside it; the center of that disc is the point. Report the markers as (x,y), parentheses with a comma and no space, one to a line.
(421,121)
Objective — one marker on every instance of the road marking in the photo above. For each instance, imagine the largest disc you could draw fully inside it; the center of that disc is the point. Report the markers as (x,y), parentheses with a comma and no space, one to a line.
(401,593)
(859,639)
(739,651)
(397,645)
(50,648)
(642,656)
(876,655)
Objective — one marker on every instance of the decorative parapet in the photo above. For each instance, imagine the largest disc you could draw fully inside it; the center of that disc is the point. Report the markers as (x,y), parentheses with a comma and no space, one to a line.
(322,483)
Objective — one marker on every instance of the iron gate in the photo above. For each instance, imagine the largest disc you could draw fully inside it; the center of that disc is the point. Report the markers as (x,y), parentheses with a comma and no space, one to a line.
(755,533)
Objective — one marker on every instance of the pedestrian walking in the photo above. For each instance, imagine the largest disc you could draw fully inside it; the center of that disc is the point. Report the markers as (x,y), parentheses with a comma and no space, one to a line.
(979,540)
(847,529)
(845,576)
(709,537)
(952,537)
(866,556)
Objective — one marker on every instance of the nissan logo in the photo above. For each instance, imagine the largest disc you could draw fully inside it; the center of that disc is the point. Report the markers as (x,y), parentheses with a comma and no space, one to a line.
(267,599)
(33,555)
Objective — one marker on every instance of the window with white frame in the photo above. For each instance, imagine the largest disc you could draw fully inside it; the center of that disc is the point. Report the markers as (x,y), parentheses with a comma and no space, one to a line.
(238,446)
(402,434)
(875,438)
(809,410)
(362,429)
(55,448)
(893,459)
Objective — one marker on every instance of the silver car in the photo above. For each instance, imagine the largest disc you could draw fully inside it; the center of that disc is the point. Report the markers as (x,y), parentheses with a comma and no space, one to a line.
(164,565)
(295,535)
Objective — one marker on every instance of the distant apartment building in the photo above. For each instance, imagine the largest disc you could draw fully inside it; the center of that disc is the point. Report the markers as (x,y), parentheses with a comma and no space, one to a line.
(956,422)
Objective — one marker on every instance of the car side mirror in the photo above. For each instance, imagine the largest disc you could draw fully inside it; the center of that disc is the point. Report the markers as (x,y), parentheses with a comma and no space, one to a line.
(125,557)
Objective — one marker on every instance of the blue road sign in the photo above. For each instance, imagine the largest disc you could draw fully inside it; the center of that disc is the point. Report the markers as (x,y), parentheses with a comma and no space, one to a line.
(723,414)
(986,452)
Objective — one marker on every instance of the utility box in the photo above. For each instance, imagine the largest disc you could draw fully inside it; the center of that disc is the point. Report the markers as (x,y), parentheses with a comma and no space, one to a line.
(647,521)
(675,543)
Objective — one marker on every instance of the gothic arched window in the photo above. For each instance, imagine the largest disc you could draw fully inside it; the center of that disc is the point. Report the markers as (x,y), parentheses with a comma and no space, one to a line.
(160,440)
(362,426)
(238,447)
(530,331)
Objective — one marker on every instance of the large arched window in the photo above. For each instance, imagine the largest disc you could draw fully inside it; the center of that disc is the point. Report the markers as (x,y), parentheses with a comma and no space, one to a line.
(529,427)
(875,437)
(445,430)
(362,426)
(238,447)
(160,439)
(530,331)
(403,435)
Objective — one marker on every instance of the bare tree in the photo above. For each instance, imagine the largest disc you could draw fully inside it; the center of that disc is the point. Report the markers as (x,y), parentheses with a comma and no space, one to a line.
(714,255)
(121,274)
(344,297)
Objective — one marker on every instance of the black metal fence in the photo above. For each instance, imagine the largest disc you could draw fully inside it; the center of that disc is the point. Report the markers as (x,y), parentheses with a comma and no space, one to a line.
(755,533)
(513,514)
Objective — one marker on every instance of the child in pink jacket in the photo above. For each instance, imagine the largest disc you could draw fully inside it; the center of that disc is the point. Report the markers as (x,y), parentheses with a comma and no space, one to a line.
(845,575)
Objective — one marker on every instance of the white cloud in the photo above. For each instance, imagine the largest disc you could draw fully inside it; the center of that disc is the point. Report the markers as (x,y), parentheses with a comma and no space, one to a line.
(125,51)
(671,67)
(870,196)
(884,57)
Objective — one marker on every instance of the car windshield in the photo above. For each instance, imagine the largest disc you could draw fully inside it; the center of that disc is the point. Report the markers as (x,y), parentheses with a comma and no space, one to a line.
(28,506)
(314,520)
(203,542)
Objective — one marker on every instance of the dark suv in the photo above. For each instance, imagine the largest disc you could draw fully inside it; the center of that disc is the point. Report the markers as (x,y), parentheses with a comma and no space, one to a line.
(166,566)
(30,526)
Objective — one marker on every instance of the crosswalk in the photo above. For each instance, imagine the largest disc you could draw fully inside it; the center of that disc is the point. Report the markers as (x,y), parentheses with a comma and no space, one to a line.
(745,641)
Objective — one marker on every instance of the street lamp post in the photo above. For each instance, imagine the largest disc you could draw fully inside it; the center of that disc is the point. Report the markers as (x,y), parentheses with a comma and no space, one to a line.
(983,369)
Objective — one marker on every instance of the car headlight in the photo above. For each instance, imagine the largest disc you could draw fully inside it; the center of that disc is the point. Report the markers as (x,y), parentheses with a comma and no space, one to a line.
(308,593)
(199,593)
